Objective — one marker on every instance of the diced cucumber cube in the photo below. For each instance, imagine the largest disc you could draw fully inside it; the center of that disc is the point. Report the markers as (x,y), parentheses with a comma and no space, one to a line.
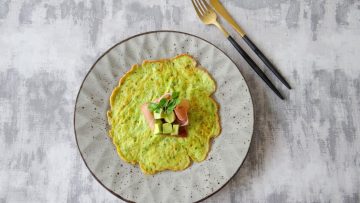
(167,128)
(158,115)
(175,129)
(157,129)
(170,118)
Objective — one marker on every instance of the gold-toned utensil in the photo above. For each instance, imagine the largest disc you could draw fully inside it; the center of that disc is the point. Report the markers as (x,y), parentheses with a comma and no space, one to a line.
(209,17)
(225,14)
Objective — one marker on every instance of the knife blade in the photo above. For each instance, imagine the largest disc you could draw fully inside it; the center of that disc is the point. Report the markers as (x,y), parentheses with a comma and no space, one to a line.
(225,14)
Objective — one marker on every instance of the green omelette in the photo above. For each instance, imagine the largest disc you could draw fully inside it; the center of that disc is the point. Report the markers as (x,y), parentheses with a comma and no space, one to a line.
(136,142)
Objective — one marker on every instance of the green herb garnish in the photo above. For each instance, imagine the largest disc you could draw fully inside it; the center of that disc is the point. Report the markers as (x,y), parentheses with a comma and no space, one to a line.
(165,105)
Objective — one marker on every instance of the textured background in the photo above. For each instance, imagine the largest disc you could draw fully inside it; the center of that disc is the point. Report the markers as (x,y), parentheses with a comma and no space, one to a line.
(304,149)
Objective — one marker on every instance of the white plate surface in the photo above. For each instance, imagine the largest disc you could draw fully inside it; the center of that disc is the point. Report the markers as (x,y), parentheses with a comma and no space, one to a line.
(200,180)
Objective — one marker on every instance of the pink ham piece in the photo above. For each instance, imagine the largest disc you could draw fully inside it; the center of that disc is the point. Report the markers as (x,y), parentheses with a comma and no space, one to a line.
(149,117)
(181,112)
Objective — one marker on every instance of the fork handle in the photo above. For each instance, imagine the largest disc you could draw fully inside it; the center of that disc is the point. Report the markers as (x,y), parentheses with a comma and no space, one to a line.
(254,66)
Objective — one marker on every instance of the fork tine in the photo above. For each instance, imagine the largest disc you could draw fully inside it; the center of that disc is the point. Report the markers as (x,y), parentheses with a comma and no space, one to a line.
(207,5)
(201,5)
(196,9)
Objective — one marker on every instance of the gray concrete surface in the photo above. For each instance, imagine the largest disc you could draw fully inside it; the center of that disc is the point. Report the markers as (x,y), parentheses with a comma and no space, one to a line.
(305,149)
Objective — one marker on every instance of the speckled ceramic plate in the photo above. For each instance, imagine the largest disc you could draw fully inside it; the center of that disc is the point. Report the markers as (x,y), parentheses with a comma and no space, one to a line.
(200,180)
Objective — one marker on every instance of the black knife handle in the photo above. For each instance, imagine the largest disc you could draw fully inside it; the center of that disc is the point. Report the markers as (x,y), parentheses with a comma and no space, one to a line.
(266,61)
(254,66)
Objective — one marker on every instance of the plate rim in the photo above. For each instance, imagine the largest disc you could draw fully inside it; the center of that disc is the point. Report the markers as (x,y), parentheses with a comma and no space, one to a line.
(145,33)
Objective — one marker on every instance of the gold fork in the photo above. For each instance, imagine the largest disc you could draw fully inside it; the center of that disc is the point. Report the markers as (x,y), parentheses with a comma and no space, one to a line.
(208,17)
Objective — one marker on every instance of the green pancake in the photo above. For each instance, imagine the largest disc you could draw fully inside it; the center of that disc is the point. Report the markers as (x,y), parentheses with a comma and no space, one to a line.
(133,138)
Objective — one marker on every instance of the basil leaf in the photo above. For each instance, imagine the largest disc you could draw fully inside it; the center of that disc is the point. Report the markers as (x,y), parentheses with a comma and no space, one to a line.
(175,95)
(153,106)
(171,103)
(172,107)
(177,101)
(162,103)
(168,111)
(165,105)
